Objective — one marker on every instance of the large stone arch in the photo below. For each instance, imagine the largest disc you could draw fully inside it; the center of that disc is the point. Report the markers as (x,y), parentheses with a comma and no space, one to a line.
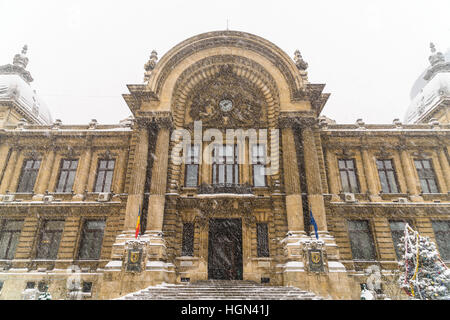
(240,44)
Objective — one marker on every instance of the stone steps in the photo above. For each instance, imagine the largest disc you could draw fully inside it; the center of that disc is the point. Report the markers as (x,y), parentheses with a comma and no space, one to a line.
(221,290)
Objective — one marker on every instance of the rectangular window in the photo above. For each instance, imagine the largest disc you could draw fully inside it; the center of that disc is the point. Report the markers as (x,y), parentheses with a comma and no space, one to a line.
(188,239)
(49,239)
(386,172)
(28,175)
(361,240)
(91,240)
(225,167)
(262,235)
(192,166)
(349,178)
(398,231)
(67,174)
(442,234)
(258,161)
(9,237)
(105,173)
(426,175)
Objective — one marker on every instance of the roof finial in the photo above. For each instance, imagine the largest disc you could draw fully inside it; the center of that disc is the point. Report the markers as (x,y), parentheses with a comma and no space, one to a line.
(150,65)
(301,64)
(435,57)
(20,59)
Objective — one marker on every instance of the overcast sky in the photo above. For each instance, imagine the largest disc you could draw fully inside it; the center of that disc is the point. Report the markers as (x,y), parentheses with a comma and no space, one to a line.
(83,53)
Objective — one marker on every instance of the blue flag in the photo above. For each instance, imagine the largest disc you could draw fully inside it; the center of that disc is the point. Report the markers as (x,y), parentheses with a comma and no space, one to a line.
(313,222)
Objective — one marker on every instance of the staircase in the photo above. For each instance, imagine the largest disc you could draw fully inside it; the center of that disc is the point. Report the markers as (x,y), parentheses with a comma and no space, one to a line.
(221,290)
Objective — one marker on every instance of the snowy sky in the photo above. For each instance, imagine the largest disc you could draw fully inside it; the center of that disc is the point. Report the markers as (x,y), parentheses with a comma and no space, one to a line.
(83,53)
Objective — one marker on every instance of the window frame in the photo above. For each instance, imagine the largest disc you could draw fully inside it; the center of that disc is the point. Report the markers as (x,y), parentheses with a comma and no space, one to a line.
(408,221)
(187,242)
(425,171)
(96,237)
(370,236)
(262,240)
(257,162)
(195,158)
(52,232)
(105,170)
(347,170)
(438,241)
(11,232)
(27,172)
(215,166)
(69,170)
(386,170)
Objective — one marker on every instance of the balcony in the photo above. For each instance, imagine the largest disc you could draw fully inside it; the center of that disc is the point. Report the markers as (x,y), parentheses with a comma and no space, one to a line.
(225,188)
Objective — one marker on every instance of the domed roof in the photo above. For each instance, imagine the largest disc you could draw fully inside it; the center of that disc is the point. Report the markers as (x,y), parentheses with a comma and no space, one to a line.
(15,88)
(432,86)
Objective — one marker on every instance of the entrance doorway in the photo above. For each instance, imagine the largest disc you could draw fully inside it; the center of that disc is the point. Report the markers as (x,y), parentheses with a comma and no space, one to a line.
(225,249)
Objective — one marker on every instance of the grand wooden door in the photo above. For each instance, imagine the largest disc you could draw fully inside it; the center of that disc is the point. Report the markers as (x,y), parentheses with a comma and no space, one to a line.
(225,249)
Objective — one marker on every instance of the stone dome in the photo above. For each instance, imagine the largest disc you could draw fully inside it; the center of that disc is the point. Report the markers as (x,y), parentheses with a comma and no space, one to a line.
(431,87)
(15,90)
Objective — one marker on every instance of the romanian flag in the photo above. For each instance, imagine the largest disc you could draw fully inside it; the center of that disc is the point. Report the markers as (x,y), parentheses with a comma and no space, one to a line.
(138,224)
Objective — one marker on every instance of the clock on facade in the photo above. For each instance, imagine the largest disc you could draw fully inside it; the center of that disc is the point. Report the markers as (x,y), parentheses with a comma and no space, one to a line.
(226,105)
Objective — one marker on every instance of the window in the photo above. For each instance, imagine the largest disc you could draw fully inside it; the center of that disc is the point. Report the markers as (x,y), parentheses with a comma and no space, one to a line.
(258,161)
(192,166)
(49,239)
(442,234)
(386,172)
(91,239)
(361,240)
(1,285)
(28,176)
(262,235)
(398,231)
(67,173)
(9,237)
(105,173)
(188,239)
(347,172)
(225,167)
(426,176)
(86,287)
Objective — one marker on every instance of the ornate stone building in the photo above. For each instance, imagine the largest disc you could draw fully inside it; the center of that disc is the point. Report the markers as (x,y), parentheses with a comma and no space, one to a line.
(71,195)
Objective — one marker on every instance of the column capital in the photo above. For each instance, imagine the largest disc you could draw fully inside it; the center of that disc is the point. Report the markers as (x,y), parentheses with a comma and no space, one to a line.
(294,119)
(160,119)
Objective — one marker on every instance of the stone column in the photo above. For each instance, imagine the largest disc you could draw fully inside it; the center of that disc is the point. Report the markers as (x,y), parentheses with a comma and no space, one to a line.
(44,176)
(445,167)
(333,175)
(9,171)
(137,183)
(374,194)
(313,179)
(156,200)
(4,151)
(85,167)
(410,177)
(294,207)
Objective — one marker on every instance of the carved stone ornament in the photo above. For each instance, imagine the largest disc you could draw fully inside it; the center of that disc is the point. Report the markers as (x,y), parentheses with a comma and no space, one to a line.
(314,255)
(227,101)
(135,255)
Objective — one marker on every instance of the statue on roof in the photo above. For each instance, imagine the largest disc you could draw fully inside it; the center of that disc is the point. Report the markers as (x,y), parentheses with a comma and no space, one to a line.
(436,57)
(150,65)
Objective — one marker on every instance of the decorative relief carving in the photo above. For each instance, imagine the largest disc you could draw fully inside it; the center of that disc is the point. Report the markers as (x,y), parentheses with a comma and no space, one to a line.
(243,104)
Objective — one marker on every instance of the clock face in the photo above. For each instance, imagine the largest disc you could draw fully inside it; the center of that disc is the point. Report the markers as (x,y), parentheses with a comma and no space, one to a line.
(226,105)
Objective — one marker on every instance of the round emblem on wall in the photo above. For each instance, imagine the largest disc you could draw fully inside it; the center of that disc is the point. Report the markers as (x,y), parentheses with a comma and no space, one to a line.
(226,105)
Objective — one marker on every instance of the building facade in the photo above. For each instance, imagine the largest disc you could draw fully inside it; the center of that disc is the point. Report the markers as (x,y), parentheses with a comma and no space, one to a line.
(223,160)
